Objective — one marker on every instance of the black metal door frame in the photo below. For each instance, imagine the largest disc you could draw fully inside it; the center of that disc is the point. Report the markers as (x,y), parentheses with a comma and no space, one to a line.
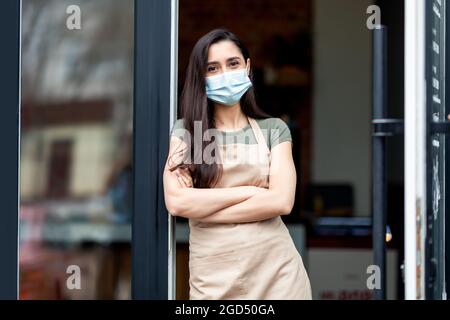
(9,140)
(437,130)
(151,140)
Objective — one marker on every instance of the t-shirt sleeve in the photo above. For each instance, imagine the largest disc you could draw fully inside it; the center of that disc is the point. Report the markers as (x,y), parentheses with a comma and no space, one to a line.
(279,132)
(180,132)
(178,129)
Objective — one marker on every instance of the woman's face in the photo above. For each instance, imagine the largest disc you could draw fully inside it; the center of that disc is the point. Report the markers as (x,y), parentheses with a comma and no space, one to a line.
(225,56)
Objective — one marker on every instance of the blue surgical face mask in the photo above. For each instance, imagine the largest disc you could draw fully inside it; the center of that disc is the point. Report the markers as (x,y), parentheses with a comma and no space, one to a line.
(228,87)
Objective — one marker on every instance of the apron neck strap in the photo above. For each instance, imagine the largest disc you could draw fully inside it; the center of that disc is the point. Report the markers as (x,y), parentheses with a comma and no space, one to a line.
(258,134)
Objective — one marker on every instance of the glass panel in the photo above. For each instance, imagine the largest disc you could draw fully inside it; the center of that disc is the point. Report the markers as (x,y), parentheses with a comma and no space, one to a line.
(76,149)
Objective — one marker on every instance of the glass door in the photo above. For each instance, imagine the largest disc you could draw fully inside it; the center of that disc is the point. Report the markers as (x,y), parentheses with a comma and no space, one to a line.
(76,149)
(89,95)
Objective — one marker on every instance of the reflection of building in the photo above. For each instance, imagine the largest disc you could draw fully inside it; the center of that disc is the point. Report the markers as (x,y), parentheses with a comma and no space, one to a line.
(75,182)
(67,148)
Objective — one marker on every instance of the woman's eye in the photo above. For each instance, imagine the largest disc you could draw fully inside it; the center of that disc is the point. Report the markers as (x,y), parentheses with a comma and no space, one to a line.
(234,63)
(211,69)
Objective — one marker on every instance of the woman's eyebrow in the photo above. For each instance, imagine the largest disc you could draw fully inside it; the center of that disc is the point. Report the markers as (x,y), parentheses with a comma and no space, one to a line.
(229,59)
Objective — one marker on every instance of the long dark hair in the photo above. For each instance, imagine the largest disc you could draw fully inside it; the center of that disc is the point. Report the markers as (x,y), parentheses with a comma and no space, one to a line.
(195,106)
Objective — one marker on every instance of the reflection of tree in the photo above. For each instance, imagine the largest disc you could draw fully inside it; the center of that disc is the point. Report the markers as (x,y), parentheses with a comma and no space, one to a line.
(58,63)
(32,14)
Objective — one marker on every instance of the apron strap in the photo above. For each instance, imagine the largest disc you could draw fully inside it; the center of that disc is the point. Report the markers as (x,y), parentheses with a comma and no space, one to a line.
(258,134)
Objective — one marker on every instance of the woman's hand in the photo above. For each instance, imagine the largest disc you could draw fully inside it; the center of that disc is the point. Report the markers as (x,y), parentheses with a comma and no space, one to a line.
(184,178)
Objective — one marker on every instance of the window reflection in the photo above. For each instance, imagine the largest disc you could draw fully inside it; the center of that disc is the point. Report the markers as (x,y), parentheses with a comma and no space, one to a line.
(76,149)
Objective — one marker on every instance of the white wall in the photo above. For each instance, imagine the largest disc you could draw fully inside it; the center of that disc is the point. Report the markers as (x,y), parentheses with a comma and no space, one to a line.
(342,97)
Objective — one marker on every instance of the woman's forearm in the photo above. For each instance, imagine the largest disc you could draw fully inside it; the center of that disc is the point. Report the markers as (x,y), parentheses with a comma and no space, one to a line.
(198,203)
(261,206)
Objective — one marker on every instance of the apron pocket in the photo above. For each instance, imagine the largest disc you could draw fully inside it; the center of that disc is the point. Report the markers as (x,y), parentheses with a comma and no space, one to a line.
(216,277)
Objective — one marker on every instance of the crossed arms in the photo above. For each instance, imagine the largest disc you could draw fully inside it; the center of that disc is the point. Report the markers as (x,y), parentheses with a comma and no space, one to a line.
(235,204)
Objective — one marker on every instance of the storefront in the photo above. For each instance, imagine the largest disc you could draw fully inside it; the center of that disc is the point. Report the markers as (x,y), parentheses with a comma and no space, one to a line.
(90,93)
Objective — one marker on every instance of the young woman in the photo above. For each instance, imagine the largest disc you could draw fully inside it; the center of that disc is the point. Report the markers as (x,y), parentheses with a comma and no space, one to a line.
(230,172)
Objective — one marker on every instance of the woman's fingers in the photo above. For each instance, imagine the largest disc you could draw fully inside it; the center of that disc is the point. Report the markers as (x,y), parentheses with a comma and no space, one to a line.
(187,179)
(186,174)
(180,179)
(184,178)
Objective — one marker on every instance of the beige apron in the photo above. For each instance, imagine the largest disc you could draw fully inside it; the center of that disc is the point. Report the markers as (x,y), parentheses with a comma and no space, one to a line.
(256,260)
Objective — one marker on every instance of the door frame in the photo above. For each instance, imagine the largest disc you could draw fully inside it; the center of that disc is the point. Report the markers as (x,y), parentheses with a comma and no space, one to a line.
(419,129)
(10,142)
(154,112)
(434,251)
(174,19)
(415,149)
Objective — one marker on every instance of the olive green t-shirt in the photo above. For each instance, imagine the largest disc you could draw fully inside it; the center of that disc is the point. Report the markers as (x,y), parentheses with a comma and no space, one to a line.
(274,130)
